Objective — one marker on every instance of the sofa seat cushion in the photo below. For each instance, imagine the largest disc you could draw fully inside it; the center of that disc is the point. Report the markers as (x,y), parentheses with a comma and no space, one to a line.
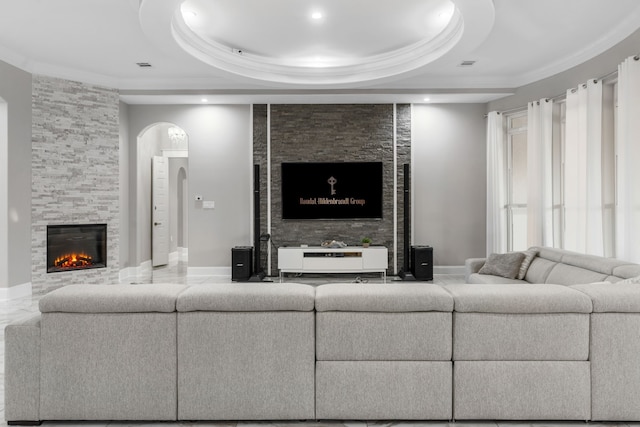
(247,297)
(402,297)
(527,298)
(383,391)
(507,336)
(522,390)
(612,297)
(491,279)
(112,299)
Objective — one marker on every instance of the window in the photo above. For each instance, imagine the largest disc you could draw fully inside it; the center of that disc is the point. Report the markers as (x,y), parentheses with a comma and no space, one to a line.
(516,181)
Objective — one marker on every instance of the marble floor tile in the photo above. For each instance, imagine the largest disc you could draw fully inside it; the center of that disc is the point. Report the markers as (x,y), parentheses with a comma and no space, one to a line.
(408,424)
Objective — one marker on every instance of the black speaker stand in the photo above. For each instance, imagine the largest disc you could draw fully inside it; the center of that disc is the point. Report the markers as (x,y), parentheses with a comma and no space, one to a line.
(259,277)
(407,276)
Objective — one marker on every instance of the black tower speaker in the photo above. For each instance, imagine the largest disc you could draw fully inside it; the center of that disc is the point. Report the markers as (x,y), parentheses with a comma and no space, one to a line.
(241,263)
(259,273)
(422,262)
(405,272)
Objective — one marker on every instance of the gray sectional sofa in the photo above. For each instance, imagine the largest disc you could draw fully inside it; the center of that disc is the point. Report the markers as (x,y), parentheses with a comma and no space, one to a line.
(561,267)
(267,351)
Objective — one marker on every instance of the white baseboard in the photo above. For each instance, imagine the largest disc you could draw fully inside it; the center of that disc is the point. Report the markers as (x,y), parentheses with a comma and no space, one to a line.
(126,274)
(145,269)
(208,271)
(179,255)
(448,269)
(15,292)
(174,257)
(132,273)
(183,253)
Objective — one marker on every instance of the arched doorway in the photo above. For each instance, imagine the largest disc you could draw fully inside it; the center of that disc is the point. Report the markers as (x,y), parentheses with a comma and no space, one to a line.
(161,206)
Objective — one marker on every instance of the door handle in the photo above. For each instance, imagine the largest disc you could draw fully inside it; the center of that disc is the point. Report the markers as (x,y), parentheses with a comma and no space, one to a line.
(157,223)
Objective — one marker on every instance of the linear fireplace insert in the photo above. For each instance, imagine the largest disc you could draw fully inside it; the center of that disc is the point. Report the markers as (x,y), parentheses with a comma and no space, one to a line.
(76,247)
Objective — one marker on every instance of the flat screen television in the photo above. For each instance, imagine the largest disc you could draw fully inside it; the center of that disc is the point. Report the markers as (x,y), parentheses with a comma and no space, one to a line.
(347,190)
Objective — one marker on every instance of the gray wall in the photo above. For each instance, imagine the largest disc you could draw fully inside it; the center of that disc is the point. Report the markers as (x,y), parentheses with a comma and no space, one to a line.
(449,180)
(15,178)
(219,170)
(558,84)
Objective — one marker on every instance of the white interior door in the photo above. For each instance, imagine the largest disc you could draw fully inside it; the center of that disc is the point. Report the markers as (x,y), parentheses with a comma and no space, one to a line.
(160,211)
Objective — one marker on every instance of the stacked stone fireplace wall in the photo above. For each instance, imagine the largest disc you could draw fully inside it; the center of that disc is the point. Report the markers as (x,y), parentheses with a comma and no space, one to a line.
(75,172)
(333,133)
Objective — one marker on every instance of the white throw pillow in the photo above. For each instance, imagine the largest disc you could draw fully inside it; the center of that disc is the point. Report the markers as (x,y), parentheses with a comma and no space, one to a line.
(529,255)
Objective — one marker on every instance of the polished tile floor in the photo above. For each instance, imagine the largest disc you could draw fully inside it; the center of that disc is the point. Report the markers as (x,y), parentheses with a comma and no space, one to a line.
(11,310)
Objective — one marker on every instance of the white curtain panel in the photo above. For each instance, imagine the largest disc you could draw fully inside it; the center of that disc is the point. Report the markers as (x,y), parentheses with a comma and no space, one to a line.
(628,161)
(496,185)
(583,170)
(540,173)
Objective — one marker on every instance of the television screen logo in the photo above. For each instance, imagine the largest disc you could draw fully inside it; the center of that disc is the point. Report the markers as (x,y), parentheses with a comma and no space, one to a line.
(332,182)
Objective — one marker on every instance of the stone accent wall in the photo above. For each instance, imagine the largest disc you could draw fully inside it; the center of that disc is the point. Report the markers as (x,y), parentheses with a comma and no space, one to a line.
(75,178)
(333,133)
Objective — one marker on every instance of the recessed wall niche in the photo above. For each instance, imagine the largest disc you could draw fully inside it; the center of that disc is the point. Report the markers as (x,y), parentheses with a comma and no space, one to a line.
(332,133)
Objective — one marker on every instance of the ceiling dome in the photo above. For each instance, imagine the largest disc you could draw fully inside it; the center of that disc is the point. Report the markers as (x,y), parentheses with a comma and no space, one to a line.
(331,42)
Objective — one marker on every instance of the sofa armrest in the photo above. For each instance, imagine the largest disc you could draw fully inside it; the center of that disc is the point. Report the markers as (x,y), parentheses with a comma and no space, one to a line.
(472,265)
(22,369)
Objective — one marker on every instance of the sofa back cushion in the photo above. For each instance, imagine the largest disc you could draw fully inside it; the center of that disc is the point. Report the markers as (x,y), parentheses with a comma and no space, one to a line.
(373,297)
(564,267)
(564,274)
(247,297)
(539,270)
(112,299)
(593,263)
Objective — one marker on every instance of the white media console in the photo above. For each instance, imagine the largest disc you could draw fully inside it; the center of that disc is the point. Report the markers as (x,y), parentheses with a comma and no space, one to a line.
(317,259)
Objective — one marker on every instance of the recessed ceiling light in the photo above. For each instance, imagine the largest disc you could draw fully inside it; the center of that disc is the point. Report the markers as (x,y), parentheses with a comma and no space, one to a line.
(204,100)
(316,15)
(427,99)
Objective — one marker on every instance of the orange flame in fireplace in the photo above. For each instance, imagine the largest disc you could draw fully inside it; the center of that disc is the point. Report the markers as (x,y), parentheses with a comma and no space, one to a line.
(73,260)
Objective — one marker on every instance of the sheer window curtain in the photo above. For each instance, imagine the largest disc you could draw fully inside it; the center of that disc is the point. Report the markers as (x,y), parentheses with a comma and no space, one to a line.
(496,185)
(584,228)
(628,161)
(540,173)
